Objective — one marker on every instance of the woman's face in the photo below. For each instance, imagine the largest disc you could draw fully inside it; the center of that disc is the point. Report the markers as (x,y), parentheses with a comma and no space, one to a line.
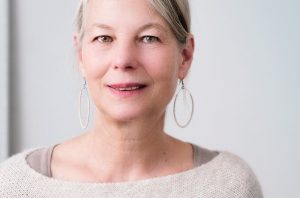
(130,59)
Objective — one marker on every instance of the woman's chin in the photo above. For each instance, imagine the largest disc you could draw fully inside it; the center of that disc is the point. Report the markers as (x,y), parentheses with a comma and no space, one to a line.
(125,115)
(125,119)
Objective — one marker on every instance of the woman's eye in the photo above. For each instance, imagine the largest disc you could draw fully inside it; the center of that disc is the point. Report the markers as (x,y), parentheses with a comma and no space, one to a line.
(104,39)
(150,39)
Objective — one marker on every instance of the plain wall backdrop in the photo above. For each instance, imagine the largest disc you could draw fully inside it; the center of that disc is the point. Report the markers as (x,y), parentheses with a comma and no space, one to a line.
(4,78)
(244,79)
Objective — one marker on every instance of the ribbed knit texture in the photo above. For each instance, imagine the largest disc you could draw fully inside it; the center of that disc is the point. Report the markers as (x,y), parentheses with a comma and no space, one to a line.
(226,176)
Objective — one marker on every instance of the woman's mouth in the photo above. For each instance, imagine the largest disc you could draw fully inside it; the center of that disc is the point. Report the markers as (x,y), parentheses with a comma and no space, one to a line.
(127,89)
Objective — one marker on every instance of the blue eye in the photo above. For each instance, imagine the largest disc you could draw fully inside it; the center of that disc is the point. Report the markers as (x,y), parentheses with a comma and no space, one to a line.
(104,39)
(150,39)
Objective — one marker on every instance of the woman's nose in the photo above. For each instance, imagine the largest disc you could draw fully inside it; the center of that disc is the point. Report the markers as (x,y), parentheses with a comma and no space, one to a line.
(125,56)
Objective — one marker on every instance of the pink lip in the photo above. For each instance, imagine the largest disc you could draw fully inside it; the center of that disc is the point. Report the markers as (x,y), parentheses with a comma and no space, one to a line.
(125,85)
(116,89)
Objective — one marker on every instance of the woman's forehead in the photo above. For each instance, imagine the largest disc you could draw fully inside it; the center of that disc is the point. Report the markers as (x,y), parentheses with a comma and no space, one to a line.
(114,13)
(125,5)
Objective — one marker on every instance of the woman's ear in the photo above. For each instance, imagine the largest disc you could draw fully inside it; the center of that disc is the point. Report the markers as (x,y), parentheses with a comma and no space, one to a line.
(78,52)
(187,57)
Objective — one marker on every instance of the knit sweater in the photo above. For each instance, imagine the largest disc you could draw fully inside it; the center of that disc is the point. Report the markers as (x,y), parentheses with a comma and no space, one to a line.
(225,176)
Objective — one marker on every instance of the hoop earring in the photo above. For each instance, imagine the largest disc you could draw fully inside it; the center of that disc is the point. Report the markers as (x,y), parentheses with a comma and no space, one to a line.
(184,90)
(84,91)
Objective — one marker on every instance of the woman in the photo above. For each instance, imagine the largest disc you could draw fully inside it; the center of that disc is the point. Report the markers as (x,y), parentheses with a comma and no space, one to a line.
(131,54)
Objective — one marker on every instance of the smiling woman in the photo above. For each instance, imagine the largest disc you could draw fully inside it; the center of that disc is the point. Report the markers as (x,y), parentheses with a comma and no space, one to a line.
(131,55)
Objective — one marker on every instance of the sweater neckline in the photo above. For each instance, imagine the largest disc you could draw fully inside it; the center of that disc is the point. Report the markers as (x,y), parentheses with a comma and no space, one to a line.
(30,171)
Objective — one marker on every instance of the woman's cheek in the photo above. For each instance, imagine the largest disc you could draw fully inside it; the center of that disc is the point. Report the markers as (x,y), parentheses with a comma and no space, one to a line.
(96,63)
(165,67)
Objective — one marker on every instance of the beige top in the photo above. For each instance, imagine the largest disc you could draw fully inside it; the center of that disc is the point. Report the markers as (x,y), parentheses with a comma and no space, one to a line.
(40,160)
(223,176)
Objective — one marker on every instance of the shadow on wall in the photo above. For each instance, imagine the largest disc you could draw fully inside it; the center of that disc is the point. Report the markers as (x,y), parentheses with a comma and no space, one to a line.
(15,93)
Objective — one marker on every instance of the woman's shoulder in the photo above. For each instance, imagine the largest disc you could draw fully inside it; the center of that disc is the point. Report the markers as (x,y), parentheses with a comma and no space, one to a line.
(236,165)
(222,159)
(16,176)
(232,174)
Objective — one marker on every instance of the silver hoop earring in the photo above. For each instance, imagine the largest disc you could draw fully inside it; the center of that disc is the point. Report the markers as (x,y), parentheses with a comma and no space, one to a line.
(84,92)
(184,91)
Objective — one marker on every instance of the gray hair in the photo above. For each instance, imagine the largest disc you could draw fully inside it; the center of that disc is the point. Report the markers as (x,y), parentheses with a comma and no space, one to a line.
(175,12)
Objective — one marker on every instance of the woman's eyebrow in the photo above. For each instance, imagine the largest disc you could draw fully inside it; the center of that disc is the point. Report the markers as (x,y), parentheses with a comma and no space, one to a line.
(143,27)
(153,25)
(102,26)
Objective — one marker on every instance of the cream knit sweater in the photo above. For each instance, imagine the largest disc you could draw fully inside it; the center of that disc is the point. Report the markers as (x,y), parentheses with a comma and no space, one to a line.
(226,176)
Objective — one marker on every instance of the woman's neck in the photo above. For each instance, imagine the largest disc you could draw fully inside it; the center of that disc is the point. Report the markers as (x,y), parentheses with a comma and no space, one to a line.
(128,150)
(124,152)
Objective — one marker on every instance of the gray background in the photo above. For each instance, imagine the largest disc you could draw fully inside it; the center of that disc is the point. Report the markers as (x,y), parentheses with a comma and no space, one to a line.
(4,78)
(244,79)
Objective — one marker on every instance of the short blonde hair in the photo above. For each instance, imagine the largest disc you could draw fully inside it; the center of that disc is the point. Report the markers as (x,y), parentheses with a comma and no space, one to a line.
(175,12)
